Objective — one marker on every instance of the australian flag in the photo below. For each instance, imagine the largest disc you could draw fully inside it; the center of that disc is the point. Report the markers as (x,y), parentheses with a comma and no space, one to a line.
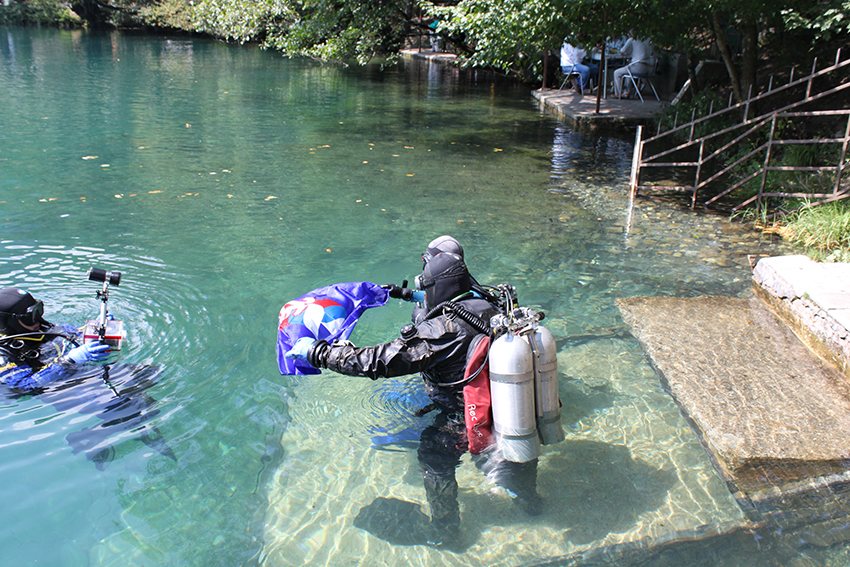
(327,313)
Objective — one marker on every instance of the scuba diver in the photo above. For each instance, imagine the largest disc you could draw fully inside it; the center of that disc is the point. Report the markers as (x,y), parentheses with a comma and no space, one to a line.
(35,353)
(452,320)
(32,350)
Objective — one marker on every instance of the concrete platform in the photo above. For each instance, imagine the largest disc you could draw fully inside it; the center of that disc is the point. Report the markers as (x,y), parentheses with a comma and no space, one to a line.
(814,298)
(440,56)
(773,413)
(580,110)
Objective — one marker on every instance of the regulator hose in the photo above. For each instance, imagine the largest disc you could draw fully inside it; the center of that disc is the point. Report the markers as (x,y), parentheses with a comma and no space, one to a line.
(474,320)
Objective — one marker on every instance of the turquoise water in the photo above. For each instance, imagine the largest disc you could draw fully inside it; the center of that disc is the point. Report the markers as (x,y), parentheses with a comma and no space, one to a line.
(223,181)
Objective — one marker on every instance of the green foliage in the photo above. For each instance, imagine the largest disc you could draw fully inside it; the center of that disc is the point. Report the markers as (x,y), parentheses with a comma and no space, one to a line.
(339,31)
(511,35)
(697,107)
(825,19)
(175,14)
(824,231)
(506,34)
(41,12)
(236,20)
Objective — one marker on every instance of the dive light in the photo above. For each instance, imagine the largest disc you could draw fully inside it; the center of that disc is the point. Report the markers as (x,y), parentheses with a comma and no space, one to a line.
(105,329)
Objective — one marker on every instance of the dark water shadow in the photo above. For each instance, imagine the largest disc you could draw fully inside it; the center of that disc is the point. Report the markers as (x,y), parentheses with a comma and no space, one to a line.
(114,393)
(593,489)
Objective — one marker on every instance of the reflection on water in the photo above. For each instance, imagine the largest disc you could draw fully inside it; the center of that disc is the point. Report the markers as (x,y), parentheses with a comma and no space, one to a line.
(224,181)
(114,393)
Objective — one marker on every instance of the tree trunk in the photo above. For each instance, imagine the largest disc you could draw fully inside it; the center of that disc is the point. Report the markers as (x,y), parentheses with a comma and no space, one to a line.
(749,53)
(693,61)
(720,40)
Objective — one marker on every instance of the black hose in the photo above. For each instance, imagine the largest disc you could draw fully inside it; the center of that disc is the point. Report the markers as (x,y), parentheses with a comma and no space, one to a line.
(474,320)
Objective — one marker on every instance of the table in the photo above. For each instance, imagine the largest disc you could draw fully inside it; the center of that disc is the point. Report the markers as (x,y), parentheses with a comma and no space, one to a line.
(612,56)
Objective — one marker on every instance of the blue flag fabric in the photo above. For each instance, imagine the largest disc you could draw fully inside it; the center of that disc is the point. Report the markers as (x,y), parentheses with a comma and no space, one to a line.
(327,313)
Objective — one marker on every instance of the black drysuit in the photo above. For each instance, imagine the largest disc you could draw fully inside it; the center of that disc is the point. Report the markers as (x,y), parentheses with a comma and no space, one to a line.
(439,348)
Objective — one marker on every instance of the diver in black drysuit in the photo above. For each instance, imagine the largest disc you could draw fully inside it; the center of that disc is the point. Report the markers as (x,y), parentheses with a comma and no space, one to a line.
(35,353)
(437,345)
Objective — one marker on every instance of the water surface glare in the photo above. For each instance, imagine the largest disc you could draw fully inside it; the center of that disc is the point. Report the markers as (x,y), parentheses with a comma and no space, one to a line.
(223,181)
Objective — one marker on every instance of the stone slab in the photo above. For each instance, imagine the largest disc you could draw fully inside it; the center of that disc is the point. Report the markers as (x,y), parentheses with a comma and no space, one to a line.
(763,405)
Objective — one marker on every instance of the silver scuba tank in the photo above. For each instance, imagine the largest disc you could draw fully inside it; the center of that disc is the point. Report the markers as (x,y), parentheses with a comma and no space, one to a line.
(547,401)
(512,398)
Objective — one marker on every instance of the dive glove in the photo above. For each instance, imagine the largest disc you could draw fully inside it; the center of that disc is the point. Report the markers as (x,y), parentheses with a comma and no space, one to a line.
(301,348)
(95,351)
(404,293)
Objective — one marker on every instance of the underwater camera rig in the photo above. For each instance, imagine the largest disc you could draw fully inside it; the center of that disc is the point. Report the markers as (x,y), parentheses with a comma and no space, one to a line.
(105,328)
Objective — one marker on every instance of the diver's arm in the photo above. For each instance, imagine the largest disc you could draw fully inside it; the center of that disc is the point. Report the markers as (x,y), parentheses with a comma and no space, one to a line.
(427,345)
(379,361)
(23,377)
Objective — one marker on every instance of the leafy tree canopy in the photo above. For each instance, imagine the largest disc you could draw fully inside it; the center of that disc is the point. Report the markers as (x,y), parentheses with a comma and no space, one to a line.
(508,35)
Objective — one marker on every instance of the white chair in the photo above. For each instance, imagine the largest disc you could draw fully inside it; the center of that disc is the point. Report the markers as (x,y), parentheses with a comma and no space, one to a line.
(572,74)
(637,77)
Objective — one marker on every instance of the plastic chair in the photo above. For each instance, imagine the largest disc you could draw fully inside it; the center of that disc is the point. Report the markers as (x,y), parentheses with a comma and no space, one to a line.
(573,74)
(647,76)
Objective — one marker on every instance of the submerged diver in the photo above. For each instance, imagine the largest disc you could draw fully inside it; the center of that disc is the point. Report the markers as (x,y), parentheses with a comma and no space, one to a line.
(32,350)
(453,319)
(35,353)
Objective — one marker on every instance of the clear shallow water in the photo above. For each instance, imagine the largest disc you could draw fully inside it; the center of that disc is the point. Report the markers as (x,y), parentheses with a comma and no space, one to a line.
(224,181)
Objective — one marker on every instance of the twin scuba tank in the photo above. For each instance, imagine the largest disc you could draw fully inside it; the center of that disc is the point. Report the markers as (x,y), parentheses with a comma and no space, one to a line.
(523,380)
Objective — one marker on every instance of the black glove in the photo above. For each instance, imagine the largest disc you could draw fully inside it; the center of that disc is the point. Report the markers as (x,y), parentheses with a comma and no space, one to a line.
(397,292)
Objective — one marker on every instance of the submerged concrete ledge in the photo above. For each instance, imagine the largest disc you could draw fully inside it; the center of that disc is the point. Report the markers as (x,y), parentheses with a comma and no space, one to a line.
(774,418)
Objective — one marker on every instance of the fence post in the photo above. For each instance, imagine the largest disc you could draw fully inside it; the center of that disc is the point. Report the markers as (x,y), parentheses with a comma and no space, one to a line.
(633,181)
(699,170)
(811,77)
(840,169)
(766,161)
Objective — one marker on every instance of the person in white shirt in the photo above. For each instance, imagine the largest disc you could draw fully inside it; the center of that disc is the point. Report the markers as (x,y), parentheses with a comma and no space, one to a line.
(572,62)
(640,51)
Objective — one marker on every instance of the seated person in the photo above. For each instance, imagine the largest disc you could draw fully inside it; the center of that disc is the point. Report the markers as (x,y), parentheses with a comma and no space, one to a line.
(640,51)
(572,62)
